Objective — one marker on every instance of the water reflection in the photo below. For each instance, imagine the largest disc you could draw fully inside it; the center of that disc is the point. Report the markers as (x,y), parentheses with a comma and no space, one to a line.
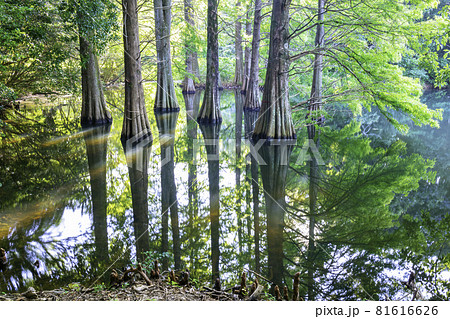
(137,156)
(166,125)
(96,140)
(361,214)
(210,134)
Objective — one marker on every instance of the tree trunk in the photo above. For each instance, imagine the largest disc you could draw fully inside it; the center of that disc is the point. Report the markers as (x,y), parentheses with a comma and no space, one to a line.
(239,66)
(275,121)
(166,99)
(252,97)
(274,182)
(137,160)
(248,32)
(316,87)
(94,110)
(135,123)
(188,83)
(96,140)
(166,126)
(210,111)
(211,137)
(313,135)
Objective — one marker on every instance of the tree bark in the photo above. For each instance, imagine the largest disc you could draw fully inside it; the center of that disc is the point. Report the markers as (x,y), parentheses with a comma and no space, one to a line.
(316,87)
(275,120)
(135,123)
(252,97)
(239,66)
(166,126)
(166,99)
(313,135)
(237,171)
(211,137)
(210,111)
(188,83)
(94,110)
(248,32)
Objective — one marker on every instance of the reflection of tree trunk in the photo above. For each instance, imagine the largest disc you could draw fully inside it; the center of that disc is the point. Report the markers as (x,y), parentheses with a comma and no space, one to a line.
(250,118)
(166,126)
(313,135)
(274,182)
(165,100)
(135,122)
(96,140)
(275,121)
(238,137)
(94,110)
(211,137)
(252,97)
(192,102)
(210,112)
(137,161)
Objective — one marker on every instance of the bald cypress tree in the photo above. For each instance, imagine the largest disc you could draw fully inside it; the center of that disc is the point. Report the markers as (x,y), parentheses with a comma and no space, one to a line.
(275,120)
(209,111)
(166,100)
(135,122)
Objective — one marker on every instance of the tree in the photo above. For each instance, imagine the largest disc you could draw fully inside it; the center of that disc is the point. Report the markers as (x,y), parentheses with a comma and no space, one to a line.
(94,22)
(239,66)
(166,100)
(275,121)
(191,54)
(252,91)
(135,120)
(209,111)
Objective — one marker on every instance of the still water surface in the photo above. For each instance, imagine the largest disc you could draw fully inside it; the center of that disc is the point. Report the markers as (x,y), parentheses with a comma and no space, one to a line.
(75,203)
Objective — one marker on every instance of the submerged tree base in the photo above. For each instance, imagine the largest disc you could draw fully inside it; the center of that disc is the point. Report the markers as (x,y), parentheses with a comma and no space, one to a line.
(87,122)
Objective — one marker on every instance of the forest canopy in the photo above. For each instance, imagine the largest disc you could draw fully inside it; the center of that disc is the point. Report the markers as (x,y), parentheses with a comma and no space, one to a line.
(375,53)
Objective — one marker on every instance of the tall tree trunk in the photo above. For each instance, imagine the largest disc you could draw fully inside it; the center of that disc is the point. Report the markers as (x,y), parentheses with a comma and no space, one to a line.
(274,182)
(96,140)
(252,97)
(210,111)
(316,87)
(248,32)
(135,122)
(137,161)
(166,99)
(313,135)
(94,110)
(166,126)
(275,120)
(239,66)
(249,120)
(188,83)
(211,137)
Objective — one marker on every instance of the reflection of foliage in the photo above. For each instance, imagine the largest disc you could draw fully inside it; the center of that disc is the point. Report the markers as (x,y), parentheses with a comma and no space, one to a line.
(354,221)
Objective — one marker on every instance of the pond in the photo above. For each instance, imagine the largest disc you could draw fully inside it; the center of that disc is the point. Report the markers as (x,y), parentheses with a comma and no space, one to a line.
(353,216)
